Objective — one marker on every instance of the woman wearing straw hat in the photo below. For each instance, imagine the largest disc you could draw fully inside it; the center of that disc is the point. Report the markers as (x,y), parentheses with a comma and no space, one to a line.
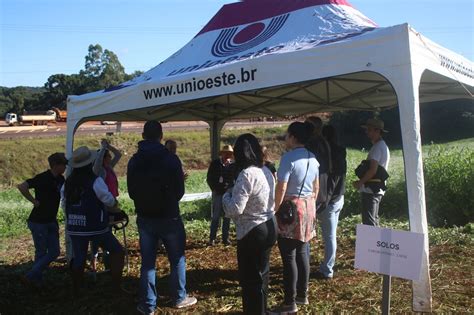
(86,197)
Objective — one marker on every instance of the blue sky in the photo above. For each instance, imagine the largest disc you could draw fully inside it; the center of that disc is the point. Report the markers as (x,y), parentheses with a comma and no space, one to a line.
(40,38)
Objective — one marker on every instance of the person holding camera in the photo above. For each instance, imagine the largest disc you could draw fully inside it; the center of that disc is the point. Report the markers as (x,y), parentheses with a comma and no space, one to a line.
(295,194)
(250,204)
(104,167)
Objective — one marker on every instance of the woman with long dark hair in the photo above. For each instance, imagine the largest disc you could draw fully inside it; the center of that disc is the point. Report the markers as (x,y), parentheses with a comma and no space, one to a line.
(250,203)
(86,197)
(297,181)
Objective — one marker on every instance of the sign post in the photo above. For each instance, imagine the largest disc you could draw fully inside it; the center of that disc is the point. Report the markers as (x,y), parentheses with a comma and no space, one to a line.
(386,288)
(389,252)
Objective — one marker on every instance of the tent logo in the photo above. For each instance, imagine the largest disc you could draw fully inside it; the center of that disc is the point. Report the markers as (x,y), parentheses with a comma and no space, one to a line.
(232,40)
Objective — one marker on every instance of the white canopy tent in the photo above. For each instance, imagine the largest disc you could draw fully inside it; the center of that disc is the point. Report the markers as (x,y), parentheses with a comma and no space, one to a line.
(282,57)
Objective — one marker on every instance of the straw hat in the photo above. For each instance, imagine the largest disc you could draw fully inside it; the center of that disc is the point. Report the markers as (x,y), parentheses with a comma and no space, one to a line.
(82,156)
(227,148)
(374,123)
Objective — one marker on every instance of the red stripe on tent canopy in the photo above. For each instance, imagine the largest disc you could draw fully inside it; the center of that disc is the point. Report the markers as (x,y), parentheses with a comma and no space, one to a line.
(247,11)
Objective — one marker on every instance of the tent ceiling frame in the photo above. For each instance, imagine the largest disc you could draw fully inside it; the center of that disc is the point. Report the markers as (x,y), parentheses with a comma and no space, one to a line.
(351,94)
(268,111)
(204,109)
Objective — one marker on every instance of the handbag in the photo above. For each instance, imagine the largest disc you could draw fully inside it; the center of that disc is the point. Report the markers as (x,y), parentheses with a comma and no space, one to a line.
(288,209)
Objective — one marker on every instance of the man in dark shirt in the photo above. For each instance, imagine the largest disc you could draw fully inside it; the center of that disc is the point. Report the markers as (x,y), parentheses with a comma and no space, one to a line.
(42,220)
(155,183)
(220,176)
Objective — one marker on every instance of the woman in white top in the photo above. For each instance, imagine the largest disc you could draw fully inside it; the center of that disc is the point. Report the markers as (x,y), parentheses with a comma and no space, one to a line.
(250,203)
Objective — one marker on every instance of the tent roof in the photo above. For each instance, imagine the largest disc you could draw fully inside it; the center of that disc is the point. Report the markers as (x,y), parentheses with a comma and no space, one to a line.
(277,58)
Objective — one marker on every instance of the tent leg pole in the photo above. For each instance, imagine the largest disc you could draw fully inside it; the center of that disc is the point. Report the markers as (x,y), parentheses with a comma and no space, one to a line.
(215,135)
(71,128)
(407,89)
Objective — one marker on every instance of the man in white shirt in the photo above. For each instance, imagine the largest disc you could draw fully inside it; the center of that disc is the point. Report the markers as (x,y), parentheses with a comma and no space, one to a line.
(379,155)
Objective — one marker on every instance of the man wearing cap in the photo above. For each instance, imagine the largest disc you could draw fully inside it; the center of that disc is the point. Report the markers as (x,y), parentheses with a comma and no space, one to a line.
(379,155)
(42,221)
(156,185)
(220,176)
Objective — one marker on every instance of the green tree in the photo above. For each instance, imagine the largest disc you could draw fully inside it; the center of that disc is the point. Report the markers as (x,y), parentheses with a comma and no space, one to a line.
(18,102)
(59,86)
(94,62)
(113,73)
(102,68)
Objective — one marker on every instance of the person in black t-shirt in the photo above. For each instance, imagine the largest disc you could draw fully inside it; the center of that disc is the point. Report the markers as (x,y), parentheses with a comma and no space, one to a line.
(42,220)
(220,176)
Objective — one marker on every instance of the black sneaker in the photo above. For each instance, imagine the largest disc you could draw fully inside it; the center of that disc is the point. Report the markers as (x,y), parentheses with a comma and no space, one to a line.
(320,276)
(142,310)
(285,309)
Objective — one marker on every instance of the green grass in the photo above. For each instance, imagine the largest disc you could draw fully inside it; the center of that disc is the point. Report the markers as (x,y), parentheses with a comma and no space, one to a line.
(14,209)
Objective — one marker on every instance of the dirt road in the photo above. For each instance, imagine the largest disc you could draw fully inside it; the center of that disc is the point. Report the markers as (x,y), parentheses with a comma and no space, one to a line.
(59,129)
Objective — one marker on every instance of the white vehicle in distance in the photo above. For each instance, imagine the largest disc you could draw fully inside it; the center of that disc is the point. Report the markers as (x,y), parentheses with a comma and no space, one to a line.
(108,122)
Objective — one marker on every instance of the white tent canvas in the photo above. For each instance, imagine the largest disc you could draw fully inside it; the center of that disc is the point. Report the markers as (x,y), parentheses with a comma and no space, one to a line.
(282,57)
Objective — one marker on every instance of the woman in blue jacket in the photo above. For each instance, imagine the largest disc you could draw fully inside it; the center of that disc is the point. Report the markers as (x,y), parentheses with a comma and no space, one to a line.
(85,197)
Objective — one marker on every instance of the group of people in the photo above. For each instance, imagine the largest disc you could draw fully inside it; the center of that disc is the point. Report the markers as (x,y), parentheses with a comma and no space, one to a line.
(246,188)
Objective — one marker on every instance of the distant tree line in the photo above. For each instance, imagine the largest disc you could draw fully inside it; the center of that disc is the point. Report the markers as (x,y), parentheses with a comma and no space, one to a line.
(102,70)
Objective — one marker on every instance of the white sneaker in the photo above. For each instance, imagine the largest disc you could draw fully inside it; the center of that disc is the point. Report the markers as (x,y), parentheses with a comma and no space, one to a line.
(301,300)
(188,301)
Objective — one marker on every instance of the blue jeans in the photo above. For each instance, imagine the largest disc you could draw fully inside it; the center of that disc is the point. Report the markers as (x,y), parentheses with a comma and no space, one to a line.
(80,243)
(171,232)
(328,219)
(217,212)
(46,240)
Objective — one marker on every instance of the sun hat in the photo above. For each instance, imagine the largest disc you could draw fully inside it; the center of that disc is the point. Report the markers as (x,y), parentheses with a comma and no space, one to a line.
(82,156)
(227,148)
(374,123)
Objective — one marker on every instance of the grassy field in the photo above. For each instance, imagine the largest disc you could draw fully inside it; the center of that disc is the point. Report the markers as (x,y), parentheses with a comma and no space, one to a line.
(212,271)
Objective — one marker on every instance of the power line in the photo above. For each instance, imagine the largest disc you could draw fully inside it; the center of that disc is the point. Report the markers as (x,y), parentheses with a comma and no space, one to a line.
(98,29)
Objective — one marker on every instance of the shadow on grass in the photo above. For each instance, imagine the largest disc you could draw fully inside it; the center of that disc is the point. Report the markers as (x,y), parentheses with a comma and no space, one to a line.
(55,295)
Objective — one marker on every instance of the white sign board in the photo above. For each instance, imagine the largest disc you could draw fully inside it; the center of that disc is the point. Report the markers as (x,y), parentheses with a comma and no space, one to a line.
(390,252)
